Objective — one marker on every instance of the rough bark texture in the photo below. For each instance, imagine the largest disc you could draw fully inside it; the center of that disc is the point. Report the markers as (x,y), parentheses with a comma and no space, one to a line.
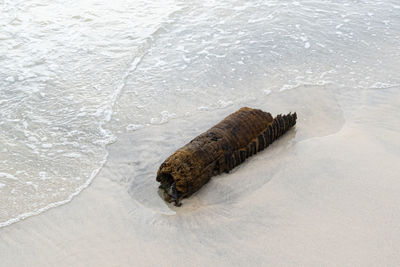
(220,149)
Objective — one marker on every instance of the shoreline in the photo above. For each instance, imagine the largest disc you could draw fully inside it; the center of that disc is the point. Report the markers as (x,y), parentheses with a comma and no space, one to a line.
(311,200)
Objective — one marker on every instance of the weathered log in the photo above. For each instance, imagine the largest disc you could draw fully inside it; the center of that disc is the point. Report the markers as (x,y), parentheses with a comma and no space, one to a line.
(220,149)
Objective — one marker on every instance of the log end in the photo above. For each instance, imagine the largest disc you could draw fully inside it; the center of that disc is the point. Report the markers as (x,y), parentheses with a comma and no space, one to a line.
(168,188)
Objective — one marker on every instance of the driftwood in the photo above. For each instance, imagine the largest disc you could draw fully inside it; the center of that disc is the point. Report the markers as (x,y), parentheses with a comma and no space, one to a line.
(221,148)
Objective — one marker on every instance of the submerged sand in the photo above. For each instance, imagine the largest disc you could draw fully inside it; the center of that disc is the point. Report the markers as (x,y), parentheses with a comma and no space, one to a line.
(325,194)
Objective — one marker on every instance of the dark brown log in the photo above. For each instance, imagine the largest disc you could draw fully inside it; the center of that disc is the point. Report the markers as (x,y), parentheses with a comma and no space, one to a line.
(220,149)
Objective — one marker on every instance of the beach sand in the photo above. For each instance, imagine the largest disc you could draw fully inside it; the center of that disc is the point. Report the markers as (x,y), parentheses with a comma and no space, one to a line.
(138,79)
(325,194)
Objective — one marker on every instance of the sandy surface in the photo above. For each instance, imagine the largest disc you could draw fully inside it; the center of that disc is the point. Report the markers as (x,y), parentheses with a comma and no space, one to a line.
(156,74)
(325,194)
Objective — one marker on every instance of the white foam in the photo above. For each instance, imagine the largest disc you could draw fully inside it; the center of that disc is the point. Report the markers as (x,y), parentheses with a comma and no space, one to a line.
(10,79)
(203,108)
(224,103)
(8,176)
(134,127)
(383,85)
(72,155)
(33,139)
(164,118)
(43,176)
(47,145)
(288,87)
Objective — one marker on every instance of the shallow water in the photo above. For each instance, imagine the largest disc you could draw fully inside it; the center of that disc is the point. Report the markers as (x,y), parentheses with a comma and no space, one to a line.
(64,65)
(79,76)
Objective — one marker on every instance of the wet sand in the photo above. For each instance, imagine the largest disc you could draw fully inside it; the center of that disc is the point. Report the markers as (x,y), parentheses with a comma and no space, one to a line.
(325,194)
